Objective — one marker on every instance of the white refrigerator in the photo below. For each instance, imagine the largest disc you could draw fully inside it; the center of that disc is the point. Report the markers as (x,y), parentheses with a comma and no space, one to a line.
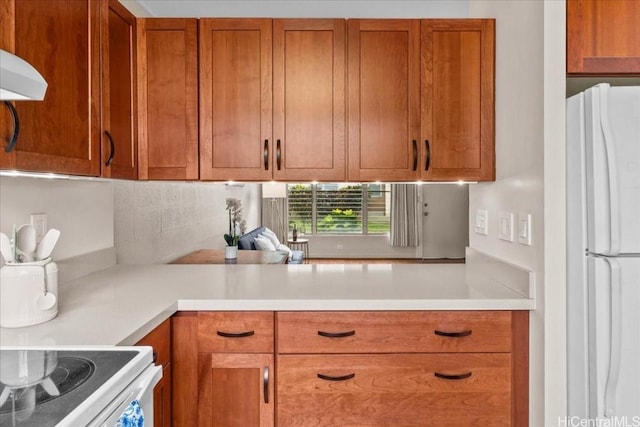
(603,254)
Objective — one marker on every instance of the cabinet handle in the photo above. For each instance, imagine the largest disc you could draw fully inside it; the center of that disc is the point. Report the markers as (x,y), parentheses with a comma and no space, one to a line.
(427,150)
(336,334)
(452,377)
(415,155)
(16,127)
(112,147)
(265,154)
(278,154)
(265,383)
(234,334)
(342,378)
(453,334)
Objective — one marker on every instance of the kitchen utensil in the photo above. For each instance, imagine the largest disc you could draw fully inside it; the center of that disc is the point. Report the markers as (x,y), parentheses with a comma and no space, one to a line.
(47,244)
(5,248)
(26,241)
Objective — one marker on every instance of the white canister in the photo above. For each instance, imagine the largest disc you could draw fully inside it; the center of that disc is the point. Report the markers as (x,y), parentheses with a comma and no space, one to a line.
(28,293)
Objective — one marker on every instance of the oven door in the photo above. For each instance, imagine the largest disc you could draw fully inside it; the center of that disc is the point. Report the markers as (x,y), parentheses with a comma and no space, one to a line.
(134,406)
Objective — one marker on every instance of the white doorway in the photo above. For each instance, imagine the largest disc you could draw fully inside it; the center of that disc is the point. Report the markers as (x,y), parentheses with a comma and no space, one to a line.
(445,220)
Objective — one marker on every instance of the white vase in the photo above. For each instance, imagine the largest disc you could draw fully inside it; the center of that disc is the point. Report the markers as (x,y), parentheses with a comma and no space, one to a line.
(231,252)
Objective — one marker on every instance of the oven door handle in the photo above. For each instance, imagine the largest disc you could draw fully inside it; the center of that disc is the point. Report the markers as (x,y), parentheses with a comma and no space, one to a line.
(144,384)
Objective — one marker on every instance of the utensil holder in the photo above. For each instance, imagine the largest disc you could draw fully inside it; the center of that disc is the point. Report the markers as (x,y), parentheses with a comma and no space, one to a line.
(28,293)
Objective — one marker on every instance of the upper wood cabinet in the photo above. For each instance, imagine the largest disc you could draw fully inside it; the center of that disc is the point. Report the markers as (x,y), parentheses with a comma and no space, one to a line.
(421,100)
(603,37)
(235,99)
(272,99)
(384,99)
(168,98)
(119,139)
(62,41)
(309,99)
(457,117)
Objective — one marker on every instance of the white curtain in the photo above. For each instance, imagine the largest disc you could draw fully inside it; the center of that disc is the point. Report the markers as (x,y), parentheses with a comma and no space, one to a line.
(404,215)
(274,217)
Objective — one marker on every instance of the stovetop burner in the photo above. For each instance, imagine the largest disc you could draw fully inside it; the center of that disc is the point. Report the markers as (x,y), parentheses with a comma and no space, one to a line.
(70,373)
(40,388)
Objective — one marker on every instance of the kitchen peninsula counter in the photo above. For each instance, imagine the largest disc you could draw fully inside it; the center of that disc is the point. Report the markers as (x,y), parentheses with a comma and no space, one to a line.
(121,304)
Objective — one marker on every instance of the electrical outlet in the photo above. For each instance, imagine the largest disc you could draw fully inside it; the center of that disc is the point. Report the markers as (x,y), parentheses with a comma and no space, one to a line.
(39,222)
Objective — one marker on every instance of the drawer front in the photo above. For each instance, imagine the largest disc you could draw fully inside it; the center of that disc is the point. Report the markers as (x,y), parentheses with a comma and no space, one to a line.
(160,340)
(235,332)
(394,332)
(449,389)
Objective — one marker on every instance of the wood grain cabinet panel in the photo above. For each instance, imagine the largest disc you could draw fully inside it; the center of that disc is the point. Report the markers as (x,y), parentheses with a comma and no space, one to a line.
(394,390)
(235,332)
(394,332)
(309,99)
(458,58)
(384,99)
(236,390)
(160,340)
(119,138)
(62,41)
(168,98)
(235,99)
(603,37)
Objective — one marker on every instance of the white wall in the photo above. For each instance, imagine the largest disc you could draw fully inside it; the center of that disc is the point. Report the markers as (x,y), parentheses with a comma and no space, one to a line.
(530,90)
(156,222)
(81,209)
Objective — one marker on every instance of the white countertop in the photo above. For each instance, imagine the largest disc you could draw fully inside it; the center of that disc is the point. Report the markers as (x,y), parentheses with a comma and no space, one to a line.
(123,303)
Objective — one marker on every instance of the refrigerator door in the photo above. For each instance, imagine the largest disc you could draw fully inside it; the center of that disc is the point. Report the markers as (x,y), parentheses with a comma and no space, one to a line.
(612,137)
(614,337)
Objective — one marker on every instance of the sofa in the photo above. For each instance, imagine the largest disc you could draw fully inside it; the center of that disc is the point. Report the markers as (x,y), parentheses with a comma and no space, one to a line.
(248,242)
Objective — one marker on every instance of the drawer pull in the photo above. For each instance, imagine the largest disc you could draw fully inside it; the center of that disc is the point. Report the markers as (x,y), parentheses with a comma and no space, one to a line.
(336,334)
(235,335)
(342,378)
(452,377)
(452,334)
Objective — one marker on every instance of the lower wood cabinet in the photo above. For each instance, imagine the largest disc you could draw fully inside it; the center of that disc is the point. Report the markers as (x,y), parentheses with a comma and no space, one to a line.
(394,390)
(235,390)
(160,340)
(374,368)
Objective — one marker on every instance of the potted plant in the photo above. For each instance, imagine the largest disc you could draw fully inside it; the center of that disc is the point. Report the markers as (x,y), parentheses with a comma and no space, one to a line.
(237,228)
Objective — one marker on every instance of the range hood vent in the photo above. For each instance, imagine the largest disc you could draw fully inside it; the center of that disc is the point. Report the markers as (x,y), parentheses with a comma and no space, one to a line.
(19,80)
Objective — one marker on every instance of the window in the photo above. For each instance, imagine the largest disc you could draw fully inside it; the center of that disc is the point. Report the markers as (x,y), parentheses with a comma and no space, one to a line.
(339,208)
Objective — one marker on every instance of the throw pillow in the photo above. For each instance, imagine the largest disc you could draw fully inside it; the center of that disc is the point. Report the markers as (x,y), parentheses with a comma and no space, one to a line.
(264,243)
(284,248)
(272,236)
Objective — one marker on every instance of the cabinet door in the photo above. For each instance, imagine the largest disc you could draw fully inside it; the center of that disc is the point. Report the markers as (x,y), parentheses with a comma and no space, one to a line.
(235,390)
(384,99)
(458,100)
(119,152)
(395,390)
(308,99)
(235,99)
(603,37)
(162,399)
(62,41)
(168,98)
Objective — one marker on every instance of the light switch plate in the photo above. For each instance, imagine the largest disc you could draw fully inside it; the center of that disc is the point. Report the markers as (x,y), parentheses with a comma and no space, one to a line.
(505,226)
(39,222)
(482,222)
(524,228)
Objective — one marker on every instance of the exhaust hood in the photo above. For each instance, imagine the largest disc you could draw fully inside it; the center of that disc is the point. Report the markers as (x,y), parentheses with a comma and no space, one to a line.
(19,80)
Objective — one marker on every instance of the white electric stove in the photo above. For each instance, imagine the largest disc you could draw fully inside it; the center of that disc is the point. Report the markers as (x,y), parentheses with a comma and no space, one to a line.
(96,386)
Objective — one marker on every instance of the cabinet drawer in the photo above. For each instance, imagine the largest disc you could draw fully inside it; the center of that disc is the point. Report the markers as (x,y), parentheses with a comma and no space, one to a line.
(394,332)
(160,340)
(235,332)
(394,390)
